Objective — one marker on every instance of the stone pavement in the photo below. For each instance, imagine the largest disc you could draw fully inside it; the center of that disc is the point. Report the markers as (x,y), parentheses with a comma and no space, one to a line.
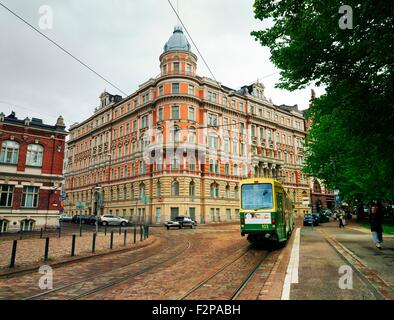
(326,248)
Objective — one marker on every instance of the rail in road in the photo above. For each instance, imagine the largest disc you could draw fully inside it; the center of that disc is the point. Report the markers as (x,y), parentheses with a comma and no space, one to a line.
(232,277)
(85,287)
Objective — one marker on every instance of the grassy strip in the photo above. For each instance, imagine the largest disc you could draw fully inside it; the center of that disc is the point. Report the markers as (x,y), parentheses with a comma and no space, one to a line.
(388,228)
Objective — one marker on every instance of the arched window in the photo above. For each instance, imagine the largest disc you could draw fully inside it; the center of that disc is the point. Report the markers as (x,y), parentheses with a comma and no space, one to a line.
(34,155)
(227,191)
(9,152)
(175,188)
(214,190)
(226,169)
(192,189)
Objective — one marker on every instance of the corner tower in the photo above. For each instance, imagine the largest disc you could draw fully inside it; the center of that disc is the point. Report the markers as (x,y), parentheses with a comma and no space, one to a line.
(177,57)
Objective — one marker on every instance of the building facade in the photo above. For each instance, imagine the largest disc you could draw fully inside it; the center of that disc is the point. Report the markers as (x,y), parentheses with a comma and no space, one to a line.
(180,145)
(31,170)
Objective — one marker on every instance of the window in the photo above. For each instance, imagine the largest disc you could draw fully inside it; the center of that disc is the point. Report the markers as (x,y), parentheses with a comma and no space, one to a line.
(175,134)
(175,112)
(212,119)
(142,191)
(175,88)
(145,121)
(214,190)
(127,128)
(142,167)
(175,163)
(161,114)
(225,101)
(227,169)
(34,155)
(6,193)
(213,141)
(9,152)
(192,114)
(175,188)
(158,215)
(188,67)
(228,214)
(158,189)
(30,197)
(176,66)
(161,90)
(236,192)
(226,145)
(192,135)
(191,90)
(192,189)
(227,191)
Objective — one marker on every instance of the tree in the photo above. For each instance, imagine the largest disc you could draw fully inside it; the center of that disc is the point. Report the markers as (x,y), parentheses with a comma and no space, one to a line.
(351,140)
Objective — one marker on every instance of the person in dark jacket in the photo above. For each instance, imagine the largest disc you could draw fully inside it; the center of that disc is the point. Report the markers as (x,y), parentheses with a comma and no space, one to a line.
(376,221)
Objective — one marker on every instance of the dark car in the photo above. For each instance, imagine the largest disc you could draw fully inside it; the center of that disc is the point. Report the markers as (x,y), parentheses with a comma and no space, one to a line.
(186,222)
(181,222)
(83,219)
(324,217)
(311,220)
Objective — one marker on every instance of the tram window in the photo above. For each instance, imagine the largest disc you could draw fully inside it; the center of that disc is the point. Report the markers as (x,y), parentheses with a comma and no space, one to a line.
(256,196)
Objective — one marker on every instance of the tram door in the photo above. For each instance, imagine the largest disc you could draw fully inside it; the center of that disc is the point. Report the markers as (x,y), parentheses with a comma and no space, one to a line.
(280,213)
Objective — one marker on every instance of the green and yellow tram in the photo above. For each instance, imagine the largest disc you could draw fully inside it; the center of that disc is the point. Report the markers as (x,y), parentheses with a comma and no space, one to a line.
(266,212)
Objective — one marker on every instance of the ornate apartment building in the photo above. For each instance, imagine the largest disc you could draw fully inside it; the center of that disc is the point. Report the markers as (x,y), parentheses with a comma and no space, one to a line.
(180,145)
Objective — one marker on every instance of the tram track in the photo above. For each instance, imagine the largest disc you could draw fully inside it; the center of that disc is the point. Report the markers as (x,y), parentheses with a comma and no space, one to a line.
(234,294)
(112,277)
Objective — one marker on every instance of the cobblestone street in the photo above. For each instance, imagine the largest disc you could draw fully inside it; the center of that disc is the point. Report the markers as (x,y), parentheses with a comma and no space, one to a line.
(213,263)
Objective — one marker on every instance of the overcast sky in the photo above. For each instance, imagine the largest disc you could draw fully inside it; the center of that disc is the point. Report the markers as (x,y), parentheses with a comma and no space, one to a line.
(122,40)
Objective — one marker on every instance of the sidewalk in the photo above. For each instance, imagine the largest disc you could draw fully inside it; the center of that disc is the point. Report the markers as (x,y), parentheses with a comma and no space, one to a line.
(324,249)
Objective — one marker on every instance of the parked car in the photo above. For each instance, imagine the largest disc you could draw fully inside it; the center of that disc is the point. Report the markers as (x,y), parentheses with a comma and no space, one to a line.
(172,224)
(181,222)
(324,217)
(64,217)
(311,219)
(110,220)
(82,219)
(186,222)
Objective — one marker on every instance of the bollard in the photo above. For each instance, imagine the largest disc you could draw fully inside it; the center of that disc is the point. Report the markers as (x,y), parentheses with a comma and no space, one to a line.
(73,246)
(41,233)
(141,235)
(60,232)
(46,249)
(13,253)
(111,240)
(147,232)
(80,230)
(125,237)
(144,232)
(105,230)
(94,243)
(120,230)
(135,233)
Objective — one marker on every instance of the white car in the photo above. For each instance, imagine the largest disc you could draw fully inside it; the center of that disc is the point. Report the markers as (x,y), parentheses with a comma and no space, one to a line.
(110,220)
(65,217)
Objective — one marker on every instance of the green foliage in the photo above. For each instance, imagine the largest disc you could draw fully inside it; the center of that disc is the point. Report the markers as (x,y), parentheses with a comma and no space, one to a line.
(350,144)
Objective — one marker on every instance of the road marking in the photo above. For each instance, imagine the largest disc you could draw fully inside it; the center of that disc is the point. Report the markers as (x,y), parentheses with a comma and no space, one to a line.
(292,268)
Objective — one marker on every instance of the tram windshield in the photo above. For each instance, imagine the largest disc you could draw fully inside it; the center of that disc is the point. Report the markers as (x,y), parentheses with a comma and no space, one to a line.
(256,196)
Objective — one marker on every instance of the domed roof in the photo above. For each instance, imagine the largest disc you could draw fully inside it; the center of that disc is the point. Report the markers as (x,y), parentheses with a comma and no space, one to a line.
(177,42)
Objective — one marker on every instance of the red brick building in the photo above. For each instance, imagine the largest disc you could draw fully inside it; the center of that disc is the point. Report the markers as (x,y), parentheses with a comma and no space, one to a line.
(31,172)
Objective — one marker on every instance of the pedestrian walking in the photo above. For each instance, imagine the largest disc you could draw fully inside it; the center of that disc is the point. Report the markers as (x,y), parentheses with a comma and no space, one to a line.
(341,218)
(376,221)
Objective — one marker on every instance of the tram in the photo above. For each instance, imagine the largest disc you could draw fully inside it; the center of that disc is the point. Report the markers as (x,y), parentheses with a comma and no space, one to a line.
(266,212)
